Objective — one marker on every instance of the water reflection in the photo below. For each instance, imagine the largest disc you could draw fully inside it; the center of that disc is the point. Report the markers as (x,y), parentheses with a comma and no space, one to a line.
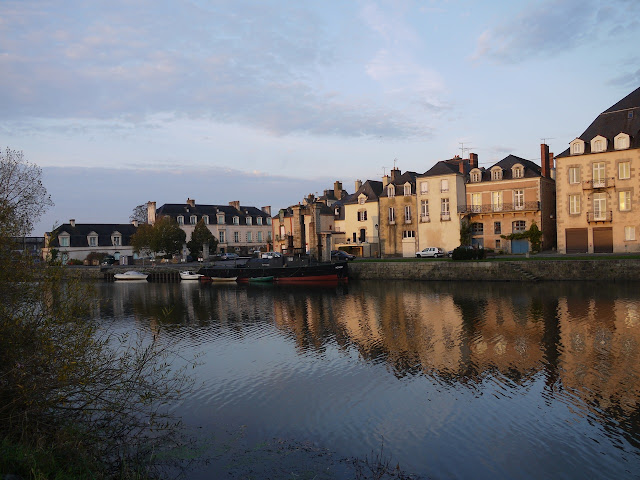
(564,356)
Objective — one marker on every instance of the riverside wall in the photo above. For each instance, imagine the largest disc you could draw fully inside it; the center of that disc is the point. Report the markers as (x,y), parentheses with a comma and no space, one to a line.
(498,271)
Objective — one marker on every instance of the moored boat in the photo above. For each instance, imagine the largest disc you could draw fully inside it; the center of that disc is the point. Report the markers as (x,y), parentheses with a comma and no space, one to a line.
(131,275)
(214,279)
(190,275)
(265,279)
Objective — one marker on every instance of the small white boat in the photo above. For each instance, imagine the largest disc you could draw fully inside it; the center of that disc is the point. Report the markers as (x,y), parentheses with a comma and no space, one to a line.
(190,275)
(220,279)
(130,275)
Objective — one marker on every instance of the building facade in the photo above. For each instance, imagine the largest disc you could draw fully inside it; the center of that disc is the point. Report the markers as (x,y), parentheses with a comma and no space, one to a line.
(237,228)
(598,184)
(361,220)
(399,220)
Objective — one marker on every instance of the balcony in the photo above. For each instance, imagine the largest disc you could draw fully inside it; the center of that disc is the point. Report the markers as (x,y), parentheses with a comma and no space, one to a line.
(595,217)
(599,183)
(499,207)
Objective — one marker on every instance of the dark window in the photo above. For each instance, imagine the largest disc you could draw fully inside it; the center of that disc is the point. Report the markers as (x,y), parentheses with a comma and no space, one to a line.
(497,228)
(519,226)
(477,228)
(363,235)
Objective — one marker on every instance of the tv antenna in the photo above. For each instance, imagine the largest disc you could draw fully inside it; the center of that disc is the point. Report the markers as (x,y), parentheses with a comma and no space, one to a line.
(384,171)
(544,140)
(463,148)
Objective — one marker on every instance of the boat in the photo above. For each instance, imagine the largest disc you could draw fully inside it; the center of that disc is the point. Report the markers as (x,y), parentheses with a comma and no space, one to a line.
(265,279)
(215,279)
(131,275)
(190,275)
(285,270)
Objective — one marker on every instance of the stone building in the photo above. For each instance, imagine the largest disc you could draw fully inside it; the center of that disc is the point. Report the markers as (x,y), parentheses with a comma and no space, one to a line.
(399,217)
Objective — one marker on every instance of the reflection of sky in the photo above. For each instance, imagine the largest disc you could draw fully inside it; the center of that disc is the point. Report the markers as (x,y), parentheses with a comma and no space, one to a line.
(501,413)
(310,90)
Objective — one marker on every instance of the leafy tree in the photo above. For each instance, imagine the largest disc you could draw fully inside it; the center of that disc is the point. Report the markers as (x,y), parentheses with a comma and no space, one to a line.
(534,235)
(142,240)
(167,236)
(140,214)
(465,232)
(200,236)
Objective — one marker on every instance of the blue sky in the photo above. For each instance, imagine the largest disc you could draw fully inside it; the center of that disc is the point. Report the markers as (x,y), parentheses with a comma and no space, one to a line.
(122,102)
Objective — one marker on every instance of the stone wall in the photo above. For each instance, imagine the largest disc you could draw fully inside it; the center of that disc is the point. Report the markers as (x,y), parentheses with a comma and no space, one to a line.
(539,270)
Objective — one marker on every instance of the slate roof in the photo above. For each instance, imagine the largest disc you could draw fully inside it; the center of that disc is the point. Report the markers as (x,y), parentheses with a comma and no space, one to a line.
(447,167)
(371,188)
(622,117)
(175,209)
(79,233)
(401,180)
(530,168)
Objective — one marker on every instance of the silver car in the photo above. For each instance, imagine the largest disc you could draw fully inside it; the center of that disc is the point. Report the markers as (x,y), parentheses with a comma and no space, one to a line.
(433,252)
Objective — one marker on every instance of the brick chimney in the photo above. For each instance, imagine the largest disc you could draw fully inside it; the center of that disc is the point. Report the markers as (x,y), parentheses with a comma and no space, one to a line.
(544,160)
(337,190)
(395,173)
(473,160)
(461,166)
(358,185)
(552,167)
(267,210)
(191,202)
(235,204)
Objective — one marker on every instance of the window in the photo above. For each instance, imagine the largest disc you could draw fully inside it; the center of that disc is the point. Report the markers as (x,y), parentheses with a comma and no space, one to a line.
(363,235)
(624,170)
(518,199)
(392,215)
(221,236)
(391,191)
(116,240)
(574,204)
(424,187)
(221,219)
(268,220)
(236,220)
(477,228)
(269,236)
(518,172)
(625,200)
(64,241)
(407,190)
(444,209)
(259,237)
(574,175)
(497,228)
(259,221)
(362,215)
(519,226)
(236,237)
(577,147)
(249,237)
(598,144)
(180,220)
(629,233)
(496,174)
(599,206)
(424,208)
(444,185)
(621,141)
(193,219)
(496,201)
(476,202)
(362,199)
(205,218)
(407,214)
(93,241)
(498,243)
(409,234)
(249,221)
(475,177)
(598,175)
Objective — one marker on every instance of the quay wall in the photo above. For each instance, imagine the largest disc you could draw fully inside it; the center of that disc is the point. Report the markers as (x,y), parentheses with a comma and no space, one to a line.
(620,270)
(498,271)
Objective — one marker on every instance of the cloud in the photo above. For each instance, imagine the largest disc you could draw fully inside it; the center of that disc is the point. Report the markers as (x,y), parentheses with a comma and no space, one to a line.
(232,62)
(555,26)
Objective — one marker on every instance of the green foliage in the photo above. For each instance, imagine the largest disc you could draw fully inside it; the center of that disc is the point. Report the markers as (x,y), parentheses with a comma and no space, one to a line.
(465,232)
(534,235)
(465,253)
(164,236)
(142,240)
(200,236)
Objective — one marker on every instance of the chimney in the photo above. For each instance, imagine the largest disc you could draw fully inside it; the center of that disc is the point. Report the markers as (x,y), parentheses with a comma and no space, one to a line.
(337,190)
(72,222)
(191,201)
(358,185)
(461,166)
(544,160)
(134,223)
(267,210)
(151,212)
(552,167)
(473,160)
(235,204)
(385,181)
(395,173)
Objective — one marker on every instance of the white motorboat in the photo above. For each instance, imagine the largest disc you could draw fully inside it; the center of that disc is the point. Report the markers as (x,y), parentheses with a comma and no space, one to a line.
(130,275)
(190,275)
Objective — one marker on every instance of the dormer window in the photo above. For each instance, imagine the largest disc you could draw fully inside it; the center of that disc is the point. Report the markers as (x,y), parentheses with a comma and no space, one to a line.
(407,189)
(92,239)
(259,221)
(193,219)
(621,141)
(598,144)
(268,220)
(180,220)
(517,171)
(116,239)
(496,173)
(248,220)
(64,239)
(362,199)
(236,220)
(577,147)
(205,219)
(220,219)
(391,191)
(475,176)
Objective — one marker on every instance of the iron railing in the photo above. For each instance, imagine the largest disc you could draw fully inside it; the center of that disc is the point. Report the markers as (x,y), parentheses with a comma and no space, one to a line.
(608,182)
(499,207)
(600,217)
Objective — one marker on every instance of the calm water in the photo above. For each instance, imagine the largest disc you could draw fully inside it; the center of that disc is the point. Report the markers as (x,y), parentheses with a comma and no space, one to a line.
(499,381)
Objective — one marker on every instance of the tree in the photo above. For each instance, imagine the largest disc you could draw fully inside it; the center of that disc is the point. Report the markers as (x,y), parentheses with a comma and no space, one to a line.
(167,237)
(140,214)
(200,236)
(142,240)
(465,232)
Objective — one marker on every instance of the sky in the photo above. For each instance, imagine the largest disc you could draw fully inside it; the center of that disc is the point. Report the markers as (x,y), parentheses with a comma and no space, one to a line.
(121,102)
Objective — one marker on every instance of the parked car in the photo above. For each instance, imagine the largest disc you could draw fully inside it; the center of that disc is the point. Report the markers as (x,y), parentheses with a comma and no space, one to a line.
(433,252)
(270,255)
(229,256)
(108,260)
(464,247)
(341,255)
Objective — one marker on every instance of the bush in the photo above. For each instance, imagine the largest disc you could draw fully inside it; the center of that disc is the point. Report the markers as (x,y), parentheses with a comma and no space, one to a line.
(468,253)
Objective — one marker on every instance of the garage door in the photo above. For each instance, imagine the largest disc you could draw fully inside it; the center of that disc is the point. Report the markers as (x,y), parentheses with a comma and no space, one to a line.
(603,240)
(519,246)
(577,240)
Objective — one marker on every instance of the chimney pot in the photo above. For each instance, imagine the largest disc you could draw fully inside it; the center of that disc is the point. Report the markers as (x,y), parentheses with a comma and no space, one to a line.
(72,222)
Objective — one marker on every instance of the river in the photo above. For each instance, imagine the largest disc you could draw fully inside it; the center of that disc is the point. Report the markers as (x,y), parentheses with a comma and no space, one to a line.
(452,380)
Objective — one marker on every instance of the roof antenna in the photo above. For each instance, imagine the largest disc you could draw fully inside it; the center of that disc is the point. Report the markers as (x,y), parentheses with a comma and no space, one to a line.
(384,171)
(544,140)
(463,148)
